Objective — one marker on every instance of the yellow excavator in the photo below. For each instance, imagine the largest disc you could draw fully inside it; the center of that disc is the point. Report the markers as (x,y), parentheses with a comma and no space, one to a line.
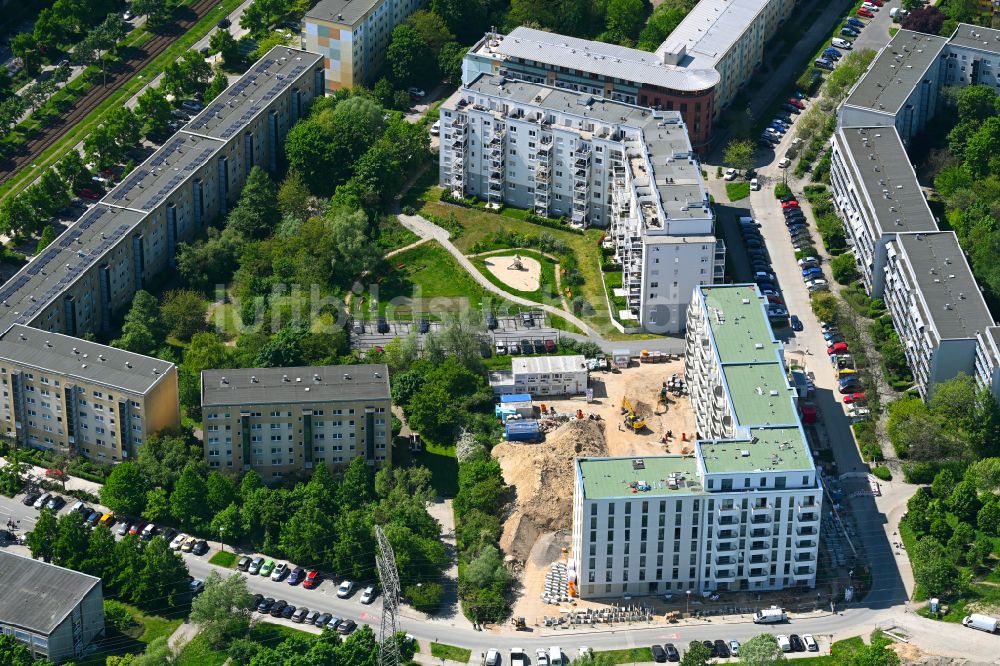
(632,420)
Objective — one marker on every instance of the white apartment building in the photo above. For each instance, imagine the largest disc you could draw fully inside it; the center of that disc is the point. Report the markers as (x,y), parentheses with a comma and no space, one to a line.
(742,512)
(352,36)
(597,162)
(728,36)
(936,306)
(923,275)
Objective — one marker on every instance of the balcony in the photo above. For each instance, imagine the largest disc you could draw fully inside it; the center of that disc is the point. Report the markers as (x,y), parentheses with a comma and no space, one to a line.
(806,517)
(803,545)
(724,575)
(806,531)
(803,572)
(757,575)
(759,545)
(763,518)
(760,532)
(725,560)
(805,557)
(726,535)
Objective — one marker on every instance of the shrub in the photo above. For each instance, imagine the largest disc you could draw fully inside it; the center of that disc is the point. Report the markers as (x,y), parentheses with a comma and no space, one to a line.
(882,472)
(425,597)
(781,190)
(409,210)
(117,615)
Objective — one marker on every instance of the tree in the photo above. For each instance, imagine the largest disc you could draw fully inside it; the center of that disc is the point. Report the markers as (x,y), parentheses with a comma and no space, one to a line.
(932,570)
(663,21)
(223,608)
(164,454)
(988,518)
(979,552)
(467,19)
(183,313)
(41,540)
(24,46)
(261,15)
(625,19)
(187,75)
(216,86)
(739,154)
(72,170)
(984,426)
(223,43)
(162,580)
(228,524)
(157,505)
(14,653)
(975,103)
(761,650)
(72,539)
(449,62)
(153,111)
(221,491)
(431,28)
(187,502)
(307,150)
(964,501)
(409,59)
(844,268)
(944,483)
(293,196)
(924,19)
(12,473)
(16,215)
(877,653)
(48,235)
(143,330)
(124,491)
(697,655)
(100,559)
(256,214)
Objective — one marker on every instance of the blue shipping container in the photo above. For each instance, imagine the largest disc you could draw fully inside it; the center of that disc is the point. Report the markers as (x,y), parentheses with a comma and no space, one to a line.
(525,430)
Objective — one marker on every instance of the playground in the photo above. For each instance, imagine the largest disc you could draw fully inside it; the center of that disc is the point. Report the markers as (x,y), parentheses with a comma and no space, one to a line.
(517,271)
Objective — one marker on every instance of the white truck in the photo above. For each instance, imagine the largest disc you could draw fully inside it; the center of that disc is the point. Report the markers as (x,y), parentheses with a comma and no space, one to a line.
(772,615)
(981,622)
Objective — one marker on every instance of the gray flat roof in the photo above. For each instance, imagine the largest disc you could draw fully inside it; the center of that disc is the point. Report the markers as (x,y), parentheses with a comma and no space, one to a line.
(341,11)
(607,60)
(150,183)
(63,262)
(678,180)
(37,596)
(898,204)
(709,30)
(81,359)
(976,37)
(896,70)
(328,383)
(946,285)
(235,108)
(535,364)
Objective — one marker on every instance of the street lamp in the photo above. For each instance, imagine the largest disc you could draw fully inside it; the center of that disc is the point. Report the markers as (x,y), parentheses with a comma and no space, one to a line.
(688,611)
(222,539)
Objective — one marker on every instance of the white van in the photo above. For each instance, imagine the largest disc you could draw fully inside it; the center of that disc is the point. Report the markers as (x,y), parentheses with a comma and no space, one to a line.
(784,643)
(770,615)
(555,656)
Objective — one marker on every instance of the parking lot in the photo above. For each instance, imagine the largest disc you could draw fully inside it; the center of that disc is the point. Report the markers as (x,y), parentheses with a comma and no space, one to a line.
(506,330)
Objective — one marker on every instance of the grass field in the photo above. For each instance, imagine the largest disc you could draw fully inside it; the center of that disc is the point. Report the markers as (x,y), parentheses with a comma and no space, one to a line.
(438,458)
(479,226)
(841,652)
(223,559)
(198,652)
(737,191)
(627,656)
(445,651)
(146,629)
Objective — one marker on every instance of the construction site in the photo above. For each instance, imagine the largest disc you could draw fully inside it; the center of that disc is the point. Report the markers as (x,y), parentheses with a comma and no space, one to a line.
(638,410)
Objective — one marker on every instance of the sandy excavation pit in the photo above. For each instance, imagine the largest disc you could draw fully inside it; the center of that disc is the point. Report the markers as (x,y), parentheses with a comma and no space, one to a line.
(527,278)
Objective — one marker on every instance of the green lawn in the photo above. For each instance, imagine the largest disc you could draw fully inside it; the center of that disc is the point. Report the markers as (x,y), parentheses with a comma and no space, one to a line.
(478,227)
(445,651)
(223,559)
(841,651)
(198,652)
(145,629)
(737,191)
(437,458)
(627,656)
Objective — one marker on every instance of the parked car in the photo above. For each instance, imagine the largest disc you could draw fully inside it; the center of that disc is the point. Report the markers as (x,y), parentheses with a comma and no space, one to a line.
(833,54)
(722,648)
(344,589)
(368,595)
(93,519)
(790,204)
(148,532)
(812,273)
(88,193)
(791,109)
(837,348)
(311,617)
(178,541)
(123,529)
(865,13)
(244,563)
(30,498)
(280,571)
(42,500)
(312,580)
(107,520)
(659,654)
(780,129)
(288,611)
(673,654)
(854,398)
(278,606)
(856,23)
(416,93)
(797,645)
(346,626)
(224,24)
(300,614)
(267,568)
(436,128)
(870,7)
(265,605)
(754,185)
(323,619)
(795,323)
(730,174)
(819,284)
(797,103)
(840,43)
(296,576)
(55,503)
(808,262)
(824,63)
(188,544)
(255,565)
(200,547)
(784,163)
(849,32)
(810,643)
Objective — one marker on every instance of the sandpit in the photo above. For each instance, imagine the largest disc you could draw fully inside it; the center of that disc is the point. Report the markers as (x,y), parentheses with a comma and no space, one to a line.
(528,278)
(542,475)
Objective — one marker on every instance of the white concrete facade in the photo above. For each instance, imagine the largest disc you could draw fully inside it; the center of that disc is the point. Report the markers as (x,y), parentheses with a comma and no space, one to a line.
(550,375)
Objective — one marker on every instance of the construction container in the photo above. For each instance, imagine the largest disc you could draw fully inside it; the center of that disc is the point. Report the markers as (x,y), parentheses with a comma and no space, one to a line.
(515,404)
(621,358)
(524,430)
(646,356)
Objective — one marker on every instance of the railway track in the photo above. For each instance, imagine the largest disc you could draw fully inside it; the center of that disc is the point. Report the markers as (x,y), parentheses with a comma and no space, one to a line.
(83,106)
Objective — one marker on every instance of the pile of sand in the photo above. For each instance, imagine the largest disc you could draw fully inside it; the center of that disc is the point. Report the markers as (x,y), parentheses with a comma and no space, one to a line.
(542,476)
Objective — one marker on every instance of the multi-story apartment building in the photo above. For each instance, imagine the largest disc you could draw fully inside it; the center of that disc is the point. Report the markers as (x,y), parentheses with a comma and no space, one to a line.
(728,36)
(90,272)
(742,512)
(605,70)
(697,70)
(900,88)
(353,36)
(876,192)
(936,306)
(597,162)
(283,420)
(62,393)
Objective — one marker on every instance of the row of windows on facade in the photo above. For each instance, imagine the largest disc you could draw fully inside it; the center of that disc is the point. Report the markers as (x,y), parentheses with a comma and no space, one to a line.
(675,574)
(288,426)
(758,543)
(278,414)
(98,395)
(379,434)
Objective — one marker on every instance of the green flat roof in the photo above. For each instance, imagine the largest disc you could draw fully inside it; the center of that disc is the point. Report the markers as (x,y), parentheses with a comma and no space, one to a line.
(738,327)
(604,478)
(752,389)
(769,449)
